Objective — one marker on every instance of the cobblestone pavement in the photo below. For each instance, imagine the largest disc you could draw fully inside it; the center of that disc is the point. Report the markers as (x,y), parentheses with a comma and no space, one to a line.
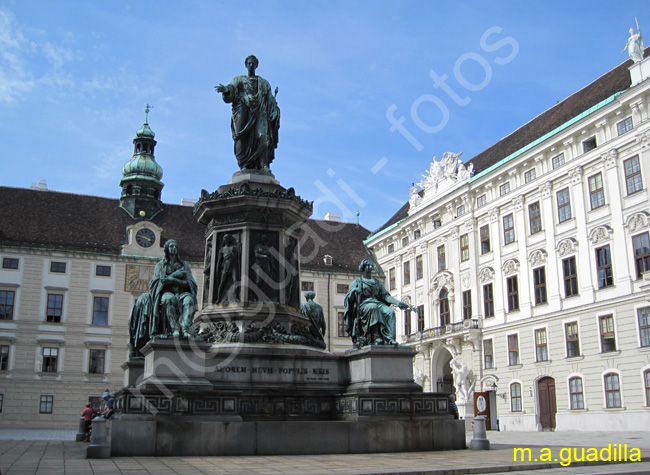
(56,452)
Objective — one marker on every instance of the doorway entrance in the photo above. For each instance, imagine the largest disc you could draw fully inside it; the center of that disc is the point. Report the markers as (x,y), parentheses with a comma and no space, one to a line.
(547,405)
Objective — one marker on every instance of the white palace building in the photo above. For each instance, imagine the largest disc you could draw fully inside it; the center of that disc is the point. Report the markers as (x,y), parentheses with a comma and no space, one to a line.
(530,266)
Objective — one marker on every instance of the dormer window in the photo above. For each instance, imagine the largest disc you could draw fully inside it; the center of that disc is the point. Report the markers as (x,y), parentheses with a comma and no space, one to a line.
(589,144)
(327,260)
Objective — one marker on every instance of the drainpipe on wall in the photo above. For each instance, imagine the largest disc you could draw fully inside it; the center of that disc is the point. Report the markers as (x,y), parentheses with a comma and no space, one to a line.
(329,314)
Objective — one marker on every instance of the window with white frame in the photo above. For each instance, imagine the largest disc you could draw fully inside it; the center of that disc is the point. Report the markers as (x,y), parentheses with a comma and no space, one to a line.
(589,144)
(54,308)
(442,261)
(508,229)
(460,211)
(607,336)
(103,271)
(541,345)
(464,248)
(488,301)
(96,361)
(641,245)
(513,349)
(467,304)
(50,359)
(604,267)
(515,397)
(529,175)
(633,181)
(539,282)
(407,272)
(504,189)
(576,393)
(485,239)
(392,281)
(46,405)
(596,191)
(646,384)
(624,126)
(407,322)
(535,217)
(4,357)
(445,314)
(558,161)
(481,201)
(58,267)
(7,298)
(391,248)
(9,263)
(563,205)
(341,325)
(572,339)
(512,287)
(488,354)
(570,272)
(419,268)
(644,326)
(100,311)
(405,241)
(612,390)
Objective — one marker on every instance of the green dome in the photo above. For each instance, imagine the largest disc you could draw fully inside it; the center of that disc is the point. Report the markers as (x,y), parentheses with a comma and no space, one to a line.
(145,132)
(142,164)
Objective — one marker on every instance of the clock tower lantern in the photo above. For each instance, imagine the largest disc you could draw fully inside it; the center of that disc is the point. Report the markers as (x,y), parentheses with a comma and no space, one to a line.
(141,185)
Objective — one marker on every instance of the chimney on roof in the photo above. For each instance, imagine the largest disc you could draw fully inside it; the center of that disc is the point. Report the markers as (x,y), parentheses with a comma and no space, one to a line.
(188,201)
(333,217)
(41,185)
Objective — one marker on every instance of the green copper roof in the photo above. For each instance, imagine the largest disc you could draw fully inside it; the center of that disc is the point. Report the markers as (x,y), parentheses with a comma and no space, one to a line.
(145,132)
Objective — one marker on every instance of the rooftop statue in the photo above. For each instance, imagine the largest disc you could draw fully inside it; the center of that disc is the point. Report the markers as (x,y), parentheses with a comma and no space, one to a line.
(368,316)
(167,309)
(255,118)
(634,44)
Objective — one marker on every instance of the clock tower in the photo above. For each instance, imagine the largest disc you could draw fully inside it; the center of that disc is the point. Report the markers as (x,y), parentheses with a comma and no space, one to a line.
(141,185)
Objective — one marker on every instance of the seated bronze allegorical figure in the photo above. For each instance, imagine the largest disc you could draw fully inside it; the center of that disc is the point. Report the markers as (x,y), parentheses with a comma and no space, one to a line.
(167,309)
(368,316)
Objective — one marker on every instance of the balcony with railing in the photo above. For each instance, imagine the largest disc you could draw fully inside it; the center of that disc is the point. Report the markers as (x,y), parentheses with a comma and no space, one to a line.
(441,332)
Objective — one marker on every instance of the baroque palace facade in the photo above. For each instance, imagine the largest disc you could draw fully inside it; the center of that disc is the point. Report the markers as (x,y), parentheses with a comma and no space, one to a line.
(72,267)
(529,266)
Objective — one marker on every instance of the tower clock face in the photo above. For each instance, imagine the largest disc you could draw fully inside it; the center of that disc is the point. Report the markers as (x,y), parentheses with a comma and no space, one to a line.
(145,237)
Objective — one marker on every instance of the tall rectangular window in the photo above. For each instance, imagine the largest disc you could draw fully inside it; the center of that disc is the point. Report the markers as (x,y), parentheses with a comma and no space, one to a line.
(558,161)
(57,267)
(515,397)
(612,390)
(563,205)
(467,304)
(100,311)
(407,322)
(596,191)
(529,175)
(341,325)
(539,281)
(535,218)
(488,301)
(633,181)
(485,239)
(641,245)
(646,381)
(442,261)
(7,304)
(570,276)
(420,318)
(54,308)
(392,284)
(575,390)
(572,341)
(407,272)
(47,404)
(541,346)
(443,306)
(607,336)
(504,189)
(9,263)
(96,361)
(419,268)
(513,350)
(464,248)
(508,229)
(481,201)
(644,326)
(624,126)
(2,398)
(50,360)
(604,267)
(512,285)
(4,358)
(488,354)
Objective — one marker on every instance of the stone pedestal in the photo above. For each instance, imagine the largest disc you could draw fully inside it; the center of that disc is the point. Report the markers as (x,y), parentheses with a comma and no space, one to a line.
(133,372)
(640,71)
(382,368)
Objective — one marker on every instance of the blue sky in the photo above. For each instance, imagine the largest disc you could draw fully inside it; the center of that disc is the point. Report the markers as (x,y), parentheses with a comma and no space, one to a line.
(75,77)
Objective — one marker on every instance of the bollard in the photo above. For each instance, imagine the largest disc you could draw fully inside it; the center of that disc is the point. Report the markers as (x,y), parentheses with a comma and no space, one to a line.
(479,440)
(100,444)
(81,435)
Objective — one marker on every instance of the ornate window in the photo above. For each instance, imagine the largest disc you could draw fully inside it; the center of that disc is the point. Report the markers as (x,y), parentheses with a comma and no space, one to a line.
(419,268)
(513,350)
(513,293)
(596,191)
(612,390)
(488,354)
(575,391)
(442,261)
(624,126)
(515,397)
(644,326)
(407,322)
(633,175)
(563,205)
(467,305)
(464,248)
(54,308)
(541,346)
(445,316)
(407,272)
(488,301)
(539,281)
(7,304)
(508,229)
(607,336)
(421,318)
(570,276)
(485,239)
(604,267)
(535,218)
(558,161)
(572,341)
(641,245)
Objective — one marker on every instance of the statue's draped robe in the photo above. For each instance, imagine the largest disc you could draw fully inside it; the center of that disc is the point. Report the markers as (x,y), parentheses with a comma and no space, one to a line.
(255,121)
(367,312)
(147,318)
(314,312)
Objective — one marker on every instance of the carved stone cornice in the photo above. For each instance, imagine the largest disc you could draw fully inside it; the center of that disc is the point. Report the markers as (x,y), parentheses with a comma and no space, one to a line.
(441,279)
(610,158)
(470,225)
(494,215)
(519,202)
(576,175)
(545,189)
